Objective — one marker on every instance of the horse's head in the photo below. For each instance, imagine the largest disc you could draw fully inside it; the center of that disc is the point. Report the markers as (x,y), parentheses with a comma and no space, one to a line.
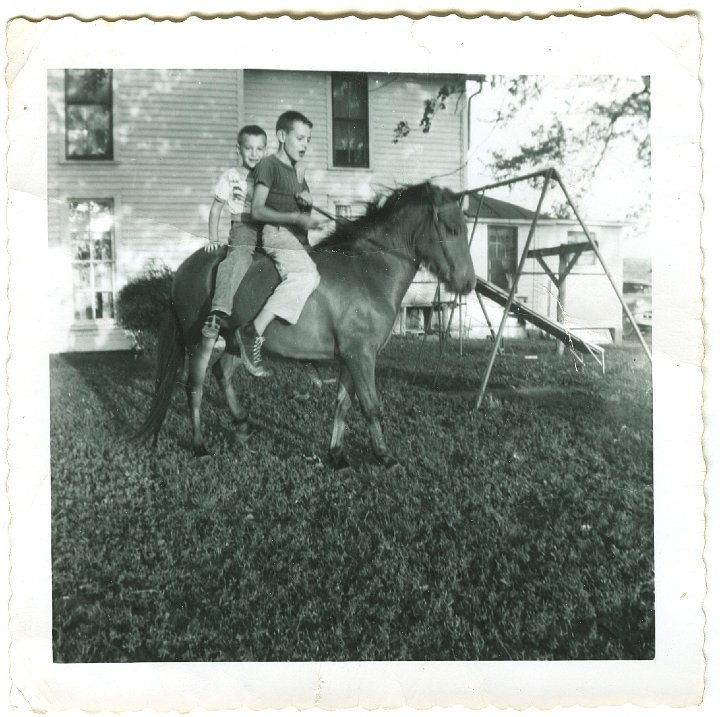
(441,241)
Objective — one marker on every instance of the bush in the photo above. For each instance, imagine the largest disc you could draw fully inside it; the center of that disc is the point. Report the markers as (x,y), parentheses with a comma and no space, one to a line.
(142,302)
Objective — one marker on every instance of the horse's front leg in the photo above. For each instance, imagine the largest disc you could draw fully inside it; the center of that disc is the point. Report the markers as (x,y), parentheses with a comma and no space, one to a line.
(342,405)
(199,358)
(223,370)
(362,368)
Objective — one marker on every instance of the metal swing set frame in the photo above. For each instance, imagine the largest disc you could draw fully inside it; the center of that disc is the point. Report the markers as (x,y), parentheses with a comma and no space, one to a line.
(568,254)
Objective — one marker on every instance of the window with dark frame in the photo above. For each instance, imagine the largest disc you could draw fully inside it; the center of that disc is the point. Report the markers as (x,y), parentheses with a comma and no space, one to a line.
(88,114)
(91,225)
(502,255)
(350,120)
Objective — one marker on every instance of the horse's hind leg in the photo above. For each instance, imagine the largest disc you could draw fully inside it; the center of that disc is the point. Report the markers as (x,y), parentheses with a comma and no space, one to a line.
(344,401)
(223,370)
(199,358)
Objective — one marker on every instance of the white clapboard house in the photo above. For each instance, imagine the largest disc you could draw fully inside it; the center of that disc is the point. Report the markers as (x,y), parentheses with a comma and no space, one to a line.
(134,155)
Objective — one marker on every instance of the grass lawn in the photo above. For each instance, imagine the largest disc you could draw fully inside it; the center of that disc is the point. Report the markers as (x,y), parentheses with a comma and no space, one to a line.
(522,531)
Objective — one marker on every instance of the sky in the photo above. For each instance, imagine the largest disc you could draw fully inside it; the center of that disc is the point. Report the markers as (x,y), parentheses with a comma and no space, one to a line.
(619,188)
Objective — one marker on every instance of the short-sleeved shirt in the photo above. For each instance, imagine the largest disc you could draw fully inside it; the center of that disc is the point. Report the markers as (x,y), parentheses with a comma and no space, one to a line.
(283,184)
(235,189)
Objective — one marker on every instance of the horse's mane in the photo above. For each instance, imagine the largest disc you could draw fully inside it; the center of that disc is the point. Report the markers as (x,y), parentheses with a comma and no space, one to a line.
(379,211)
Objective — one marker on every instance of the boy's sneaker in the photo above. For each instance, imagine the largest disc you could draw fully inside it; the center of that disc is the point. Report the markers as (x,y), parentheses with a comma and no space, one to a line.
(211,327)
(251,354)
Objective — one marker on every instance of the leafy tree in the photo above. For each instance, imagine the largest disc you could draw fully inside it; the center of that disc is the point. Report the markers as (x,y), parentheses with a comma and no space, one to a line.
(608,113)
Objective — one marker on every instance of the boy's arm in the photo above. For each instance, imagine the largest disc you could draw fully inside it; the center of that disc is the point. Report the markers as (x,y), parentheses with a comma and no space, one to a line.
(262,213)
(213,225)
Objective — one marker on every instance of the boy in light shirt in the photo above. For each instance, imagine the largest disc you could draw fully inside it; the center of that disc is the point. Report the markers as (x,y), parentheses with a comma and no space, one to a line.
(235,190)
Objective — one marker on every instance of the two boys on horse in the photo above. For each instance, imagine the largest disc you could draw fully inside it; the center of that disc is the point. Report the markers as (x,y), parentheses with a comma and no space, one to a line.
(271,193)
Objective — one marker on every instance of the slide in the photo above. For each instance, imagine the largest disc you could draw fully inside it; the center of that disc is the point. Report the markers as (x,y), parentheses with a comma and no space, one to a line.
(558,331)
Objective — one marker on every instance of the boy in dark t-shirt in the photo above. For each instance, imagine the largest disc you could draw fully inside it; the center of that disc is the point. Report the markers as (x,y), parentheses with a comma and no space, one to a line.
(282,203)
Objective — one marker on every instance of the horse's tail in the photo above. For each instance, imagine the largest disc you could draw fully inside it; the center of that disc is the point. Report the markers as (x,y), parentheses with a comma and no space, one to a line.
(171,357)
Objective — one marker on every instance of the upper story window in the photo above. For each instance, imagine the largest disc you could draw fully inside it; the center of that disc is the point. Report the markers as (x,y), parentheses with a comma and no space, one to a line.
(350,120)
(88,114)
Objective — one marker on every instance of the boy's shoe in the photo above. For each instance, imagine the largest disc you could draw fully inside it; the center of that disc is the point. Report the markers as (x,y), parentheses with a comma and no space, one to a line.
(211,327)
(251,355)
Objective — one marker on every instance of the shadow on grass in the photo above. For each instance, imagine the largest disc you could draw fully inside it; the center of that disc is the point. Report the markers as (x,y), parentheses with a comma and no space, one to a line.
(121,381)
(123,384)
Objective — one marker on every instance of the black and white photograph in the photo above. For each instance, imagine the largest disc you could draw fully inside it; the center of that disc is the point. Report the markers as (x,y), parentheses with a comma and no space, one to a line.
(352,361)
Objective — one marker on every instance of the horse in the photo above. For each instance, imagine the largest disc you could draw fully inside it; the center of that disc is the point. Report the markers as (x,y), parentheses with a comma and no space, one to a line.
(366,267)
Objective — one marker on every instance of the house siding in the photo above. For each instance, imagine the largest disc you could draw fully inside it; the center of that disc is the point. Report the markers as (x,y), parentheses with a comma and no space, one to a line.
(174,133)
(413,159)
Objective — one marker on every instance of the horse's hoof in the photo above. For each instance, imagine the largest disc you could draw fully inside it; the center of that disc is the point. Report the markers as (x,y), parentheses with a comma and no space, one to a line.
(242,437)
(388,462)
(338,461)
(201,451)
(242,431)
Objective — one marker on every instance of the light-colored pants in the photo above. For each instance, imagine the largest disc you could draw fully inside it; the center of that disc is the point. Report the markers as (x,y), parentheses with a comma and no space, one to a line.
(298,273)
(232,268)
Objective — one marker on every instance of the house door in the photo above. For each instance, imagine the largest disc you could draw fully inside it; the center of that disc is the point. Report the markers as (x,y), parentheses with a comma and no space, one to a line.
(502,255)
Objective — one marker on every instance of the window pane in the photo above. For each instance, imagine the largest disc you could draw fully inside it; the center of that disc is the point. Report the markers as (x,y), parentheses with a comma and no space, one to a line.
(356,144)
(355,108)
(83,307)
(86,86)
(414,320)
(103,305)
(103,275)
(101,220)
(82,276)
(79,212)
(103,247)
(350,143)
(88,131)
(81,245)
(340,143)
(349,95)
(340,98)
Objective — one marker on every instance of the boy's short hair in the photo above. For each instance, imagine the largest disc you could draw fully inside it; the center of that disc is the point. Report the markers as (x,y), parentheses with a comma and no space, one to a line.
(251,130)
(287,119)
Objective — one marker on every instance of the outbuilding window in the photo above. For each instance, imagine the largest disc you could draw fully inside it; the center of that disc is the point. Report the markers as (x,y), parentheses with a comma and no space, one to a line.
(350,120)
(502,255)
(88,114)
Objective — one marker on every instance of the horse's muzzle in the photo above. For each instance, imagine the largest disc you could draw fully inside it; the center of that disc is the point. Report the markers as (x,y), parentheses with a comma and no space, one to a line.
(461,285)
